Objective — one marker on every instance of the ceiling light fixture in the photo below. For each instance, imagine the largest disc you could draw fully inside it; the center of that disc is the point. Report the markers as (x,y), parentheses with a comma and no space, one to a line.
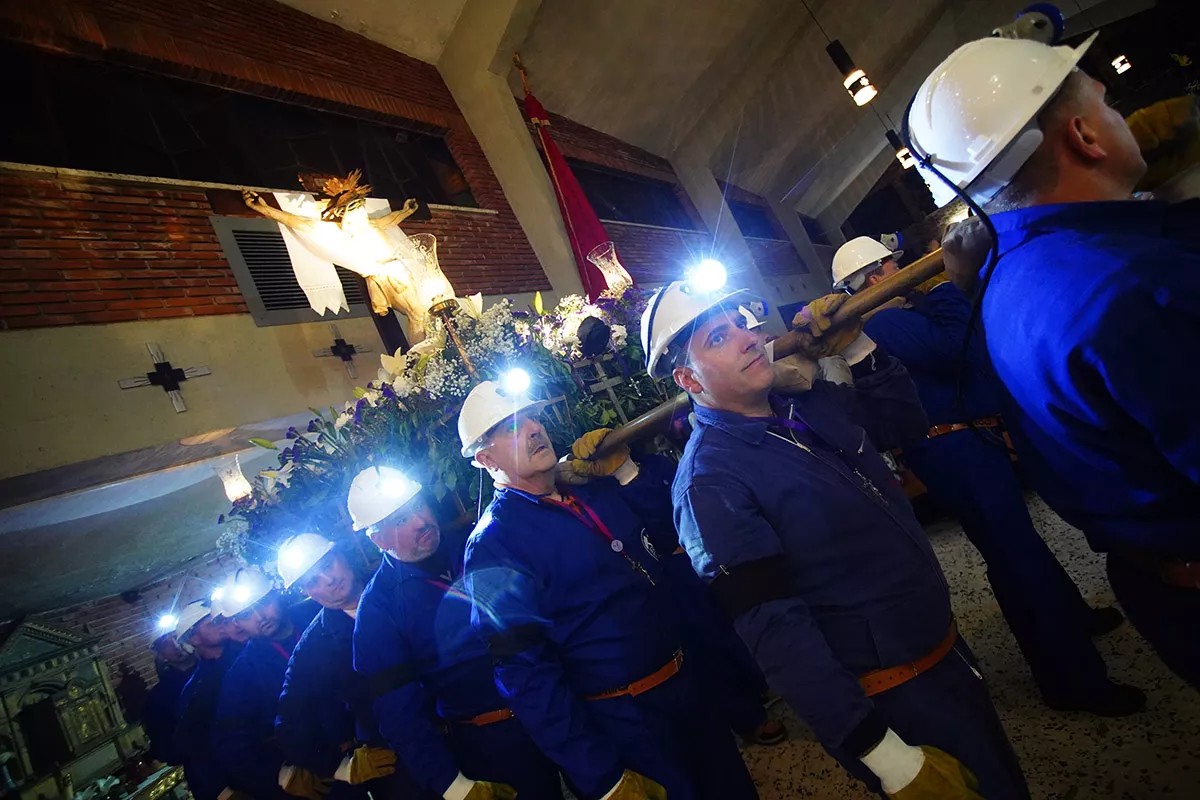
(903,154)
(853,77)
(1121,64)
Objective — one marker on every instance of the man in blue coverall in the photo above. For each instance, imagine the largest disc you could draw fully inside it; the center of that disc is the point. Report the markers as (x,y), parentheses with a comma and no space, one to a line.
(325,722)
(199,630)
(175,666)
(785,505)
(974,480)
(420,659)
(244,732)
(586,639)
(1092,315)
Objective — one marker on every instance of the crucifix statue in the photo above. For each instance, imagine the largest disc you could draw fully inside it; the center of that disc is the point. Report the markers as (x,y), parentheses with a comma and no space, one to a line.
(165,375)
(402,272)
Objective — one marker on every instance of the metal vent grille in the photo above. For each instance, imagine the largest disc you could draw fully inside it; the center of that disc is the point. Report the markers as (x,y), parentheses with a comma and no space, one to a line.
(259,259)
(266,257)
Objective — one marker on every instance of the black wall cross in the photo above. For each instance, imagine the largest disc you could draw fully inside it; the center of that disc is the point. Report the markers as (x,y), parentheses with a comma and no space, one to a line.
(165,375)
(343,350)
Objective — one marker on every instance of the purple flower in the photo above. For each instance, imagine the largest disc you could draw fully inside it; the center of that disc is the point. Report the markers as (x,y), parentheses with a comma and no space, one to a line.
(388,392)
(312,426)
(221,520)
(292,434)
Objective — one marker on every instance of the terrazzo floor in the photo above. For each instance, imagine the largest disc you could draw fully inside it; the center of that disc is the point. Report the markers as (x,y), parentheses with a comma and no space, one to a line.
(1066,756)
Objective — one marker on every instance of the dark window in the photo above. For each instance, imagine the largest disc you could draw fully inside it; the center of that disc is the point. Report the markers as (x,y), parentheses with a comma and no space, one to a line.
(68,112)
(816,233)
(753,220)
(624,197)
(894,205)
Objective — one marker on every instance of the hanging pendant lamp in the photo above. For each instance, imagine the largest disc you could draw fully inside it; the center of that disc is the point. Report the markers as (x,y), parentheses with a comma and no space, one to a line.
(853,77)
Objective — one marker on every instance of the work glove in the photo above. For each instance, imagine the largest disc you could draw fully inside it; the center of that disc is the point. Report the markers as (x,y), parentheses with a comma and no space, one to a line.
(919,773)
(794,374)
(633,786)
(299,782)
(1168,134)
(964,252)
(484,790)
(943,777)
(612,464)
(818,336)
(368,763)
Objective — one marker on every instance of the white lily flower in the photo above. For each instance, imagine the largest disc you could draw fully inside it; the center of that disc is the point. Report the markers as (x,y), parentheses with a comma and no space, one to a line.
(473,305)
(393,365)
(430,344)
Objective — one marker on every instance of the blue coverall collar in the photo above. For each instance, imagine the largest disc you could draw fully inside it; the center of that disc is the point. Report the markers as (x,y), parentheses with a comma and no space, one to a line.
(1146,217)
(1135,216)
(751,430)
(504,491)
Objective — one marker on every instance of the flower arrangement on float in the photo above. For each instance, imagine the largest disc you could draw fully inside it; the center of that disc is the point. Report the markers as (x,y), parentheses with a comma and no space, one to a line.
(407,416)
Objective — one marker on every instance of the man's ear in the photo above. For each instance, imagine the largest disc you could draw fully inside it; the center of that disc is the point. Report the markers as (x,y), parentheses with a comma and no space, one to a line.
(874,278)
(485,458)
(1082,140)
(685,378)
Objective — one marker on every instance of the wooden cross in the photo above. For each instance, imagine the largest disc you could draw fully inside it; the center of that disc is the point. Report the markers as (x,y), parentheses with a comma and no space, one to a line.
(343,350)
(165,375)
(604,382)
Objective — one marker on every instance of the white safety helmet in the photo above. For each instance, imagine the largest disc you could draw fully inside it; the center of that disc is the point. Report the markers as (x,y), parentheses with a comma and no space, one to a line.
(856,258)
(975,116)
(487,406)
(376,493)
(244,589)
(673,308)
(192,615)
(299,554)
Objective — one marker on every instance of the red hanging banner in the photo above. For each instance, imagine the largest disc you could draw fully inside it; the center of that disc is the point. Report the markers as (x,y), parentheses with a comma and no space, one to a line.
(583,226)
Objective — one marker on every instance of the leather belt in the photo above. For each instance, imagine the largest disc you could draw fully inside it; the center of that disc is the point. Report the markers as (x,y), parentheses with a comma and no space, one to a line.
(487,718)
(656,678)
(881,680)
(982,422)
(1173,572)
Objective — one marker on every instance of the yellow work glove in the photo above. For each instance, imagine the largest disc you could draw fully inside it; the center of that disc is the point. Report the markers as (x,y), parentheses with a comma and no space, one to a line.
(302,783)
(1168,134)
(942,777)
(793,374)
(818,336)
(633,786)
(483,790)
(369,763)
(964,252)
(585,446)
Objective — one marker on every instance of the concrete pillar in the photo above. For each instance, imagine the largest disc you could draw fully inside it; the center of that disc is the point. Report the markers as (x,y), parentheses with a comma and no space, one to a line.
(482,41)
(728,244)
(790,220)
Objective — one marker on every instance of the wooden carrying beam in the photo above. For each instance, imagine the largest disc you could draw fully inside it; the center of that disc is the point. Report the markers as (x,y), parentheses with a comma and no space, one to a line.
(658,419)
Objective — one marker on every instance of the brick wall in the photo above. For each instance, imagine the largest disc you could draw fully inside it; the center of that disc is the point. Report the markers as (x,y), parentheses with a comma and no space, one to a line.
(77,251)
(81,251)
(126,630)
(775,257)
(657,255)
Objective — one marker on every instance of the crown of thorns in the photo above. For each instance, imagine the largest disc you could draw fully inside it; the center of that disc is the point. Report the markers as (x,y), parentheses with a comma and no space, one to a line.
(341,194)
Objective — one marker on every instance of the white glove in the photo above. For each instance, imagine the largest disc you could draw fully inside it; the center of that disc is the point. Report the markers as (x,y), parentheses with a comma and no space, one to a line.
(894,762)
